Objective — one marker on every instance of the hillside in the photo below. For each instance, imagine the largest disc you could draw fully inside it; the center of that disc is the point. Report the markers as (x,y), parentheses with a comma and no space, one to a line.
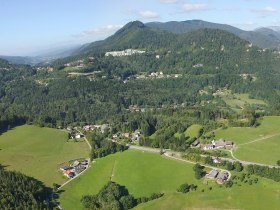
(186,69)
(256,37)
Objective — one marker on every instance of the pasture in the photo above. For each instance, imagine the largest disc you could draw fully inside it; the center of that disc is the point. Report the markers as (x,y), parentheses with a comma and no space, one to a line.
(37,152)
(144,173)
(260,144)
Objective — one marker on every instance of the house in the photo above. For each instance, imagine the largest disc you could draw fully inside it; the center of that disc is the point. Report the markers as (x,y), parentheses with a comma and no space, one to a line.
(221,143)
(75,163)
(207,146)
(196,143)
(65,168)
(105,128)
(222,177)
(216,160)
(79,135)
(136,136)
(213,174)
(69,173)
(125,135)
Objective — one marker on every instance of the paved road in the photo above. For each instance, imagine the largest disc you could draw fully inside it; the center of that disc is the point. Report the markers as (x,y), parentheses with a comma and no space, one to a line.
(222,158)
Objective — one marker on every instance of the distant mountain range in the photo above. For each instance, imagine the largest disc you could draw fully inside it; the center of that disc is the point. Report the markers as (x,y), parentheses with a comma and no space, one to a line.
(133,34)
(267,37)
(44,56)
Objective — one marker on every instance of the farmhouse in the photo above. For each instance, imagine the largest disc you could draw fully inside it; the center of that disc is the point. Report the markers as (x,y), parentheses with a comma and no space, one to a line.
(221,143)
(213,174)
(196,143)
(104,128)
(222,177)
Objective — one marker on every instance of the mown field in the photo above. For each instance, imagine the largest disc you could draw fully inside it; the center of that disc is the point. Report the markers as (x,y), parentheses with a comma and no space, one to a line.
(192,131)
(238,101)
(144,173)
(37,152)
(260,144)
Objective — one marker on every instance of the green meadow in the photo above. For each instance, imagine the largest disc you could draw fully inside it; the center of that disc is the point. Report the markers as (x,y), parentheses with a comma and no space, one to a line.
(144,173)
(238,101)
(260,144)
(37,152)
(192,131)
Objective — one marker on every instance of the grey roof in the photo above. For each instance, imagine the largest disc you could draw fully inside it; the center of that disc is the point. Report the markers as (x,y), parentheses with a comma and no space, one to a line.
(223,176)
(76,163)
(196,142)
(213,173)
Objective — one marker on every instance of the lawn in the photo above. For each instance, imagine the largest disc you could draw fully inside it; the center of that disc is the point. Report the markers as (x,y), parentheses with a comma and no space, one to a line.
(266,150)
(144,173)
(37,152)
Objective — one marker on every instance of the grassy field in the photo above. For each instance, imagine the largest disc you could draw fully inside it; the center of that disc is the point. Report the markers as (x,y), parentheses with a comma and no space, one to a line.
(141,172)
(238,101)
(37,152)
(192,131)
(144,173)
(259,144)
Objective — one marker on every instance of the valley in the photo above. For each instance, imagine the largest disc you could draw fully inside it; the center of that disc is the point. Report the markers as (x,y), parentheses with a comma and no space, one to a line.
(133,113)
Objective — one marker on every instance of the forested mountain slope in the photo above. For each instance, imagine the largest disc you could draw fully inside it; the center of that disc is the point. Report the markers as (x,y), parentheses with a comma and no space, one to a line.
(256,37)
(194,66)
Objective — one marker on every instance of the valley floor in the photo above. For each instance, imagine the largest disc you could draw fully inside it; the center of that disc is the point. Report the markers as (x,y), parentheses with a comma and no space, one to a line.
(144,173)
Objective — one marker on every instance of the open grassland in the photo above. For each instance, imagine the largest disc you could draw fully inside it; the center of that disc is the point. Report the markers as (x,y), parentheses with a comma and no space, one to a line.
(264,195)
(192,131)
(259,144)
(37,152)
(144,173)
(238,101)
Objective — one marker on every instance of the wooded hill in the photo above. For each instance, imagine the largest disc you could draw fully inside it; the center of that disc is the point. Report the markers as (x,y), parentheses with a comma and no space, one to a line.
(207,59)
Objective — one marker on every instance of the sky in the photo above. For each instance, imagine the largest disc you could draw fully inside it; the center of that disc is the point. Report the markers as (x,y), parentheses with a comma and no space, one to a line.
(28,27)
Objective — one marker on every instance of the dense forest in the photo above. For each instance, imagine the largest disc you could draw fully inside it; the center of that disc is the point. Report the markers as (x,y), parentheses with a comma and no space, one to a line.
(18,191)
(207,60)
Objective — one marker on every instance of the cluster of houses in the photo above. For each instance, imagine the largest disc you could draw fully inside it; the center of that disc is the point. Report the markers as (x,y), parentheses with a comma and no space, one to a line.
(75,168)
(132,136)
(126,52)
(158,75)
(218,144)
(102,128)
(74,134)
(219,176)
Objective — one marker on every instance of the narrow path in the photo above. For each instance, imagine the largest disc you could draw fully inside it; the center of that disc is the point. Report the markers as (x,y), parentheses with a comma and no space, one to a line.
(260,139)
(113,171)
(85,138)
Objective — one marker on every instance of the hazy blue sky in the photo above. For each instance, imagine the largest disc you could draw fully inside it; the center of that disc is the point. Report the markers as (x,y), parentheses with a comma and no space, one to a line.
(28,26)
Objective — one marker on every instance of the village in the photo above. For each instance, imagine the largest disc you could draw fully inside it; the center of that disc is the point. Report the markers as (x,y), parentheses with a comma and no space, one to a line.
(76,167)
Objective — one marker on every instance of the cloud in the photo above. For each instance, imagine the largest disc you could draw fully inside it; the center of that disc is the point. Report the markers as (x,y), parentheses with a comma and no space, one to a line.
(99,32)
(148,14)
(193,7)
(265,11)
(168,1)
